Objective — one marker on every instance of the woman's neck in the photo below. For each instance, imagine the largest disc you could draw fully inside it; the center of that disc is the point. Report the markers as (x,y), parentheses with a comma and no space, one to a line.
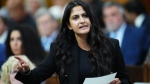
(82,42)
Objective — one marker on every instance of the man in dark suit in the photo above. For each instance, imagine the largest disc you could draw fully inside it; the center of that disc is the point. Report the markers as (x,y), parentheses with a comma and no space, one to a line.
(136,14)
(132,40)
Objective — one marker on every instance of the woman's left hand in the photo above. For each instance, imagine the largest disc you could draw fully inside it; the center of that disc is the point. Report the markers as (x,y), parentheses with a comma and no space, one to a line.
(115,81)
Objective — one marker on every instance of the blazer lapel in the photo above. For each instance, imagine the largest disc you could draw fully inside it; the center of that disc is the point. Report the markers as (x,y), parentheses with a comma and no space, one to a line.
(72,69)
(125,39)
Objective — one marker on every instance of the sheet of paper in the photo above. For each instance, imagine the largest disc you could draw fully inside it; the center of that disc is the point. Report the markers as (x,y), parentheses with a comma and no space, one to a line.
(100,80)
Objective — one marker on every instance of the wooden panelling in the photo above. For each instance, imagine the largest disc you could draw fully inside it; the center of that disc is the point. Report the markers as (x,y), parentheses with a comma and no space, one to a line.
(119,1)
(139,73)
(49,3)
(147,5)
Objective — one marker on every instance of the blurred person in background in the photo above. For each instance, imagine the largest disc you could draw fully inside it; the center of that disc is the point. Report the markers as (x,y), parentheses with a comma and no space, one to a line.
(3,29)
(132,40)
(47,27)
(96,6)
(9,70)
(136,14)
(3,36)
(3,11)
(18,15)
(58,8)
(23,40)
(33,5)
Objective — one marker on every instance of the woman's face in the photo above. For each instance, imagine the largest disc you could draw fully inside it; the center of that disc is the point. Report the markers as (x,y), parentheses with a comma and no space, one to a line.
(16,42)
(79,21)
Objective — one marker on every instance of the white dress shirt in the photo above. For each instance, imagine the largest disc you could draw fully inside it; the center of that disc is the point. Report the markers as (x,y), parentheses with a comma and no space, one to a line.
(119,34)
(46,41)
(139,20)
(3,37)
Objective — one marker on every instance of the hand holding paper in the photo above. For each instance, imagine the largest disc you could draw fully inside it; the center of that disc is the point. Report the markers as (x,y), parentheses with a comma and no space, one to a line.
(100,80)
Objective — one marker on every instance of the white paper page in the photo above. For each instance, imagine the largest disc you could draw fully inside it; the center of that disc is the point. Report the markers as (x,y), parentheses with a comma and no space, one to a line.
(100,80)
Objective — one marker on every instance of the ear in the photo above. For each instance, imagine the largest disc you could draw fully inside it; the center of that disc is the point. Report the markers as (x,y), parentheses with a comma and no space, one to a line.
(69,27)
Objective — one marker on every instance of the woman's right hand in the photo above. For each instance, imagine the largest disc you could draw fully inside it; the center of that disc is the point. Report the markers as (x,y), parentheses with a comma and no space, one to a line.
(23,66)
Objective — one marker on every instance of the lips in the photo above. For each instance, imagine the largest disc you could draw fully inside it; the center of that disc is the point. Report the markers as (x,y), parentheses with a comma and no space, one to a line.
(84,26)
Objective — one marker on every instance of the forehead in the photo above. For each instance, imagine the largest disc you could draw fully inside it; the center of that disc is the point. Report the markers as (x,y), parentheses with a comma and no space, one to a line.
(111,9)
(77,10)
(15,33)
(13,4)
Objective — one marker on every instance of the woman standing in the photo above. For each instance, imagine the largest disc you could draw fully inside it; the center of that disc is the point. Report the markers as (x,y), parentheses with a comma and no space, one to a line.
(80,51)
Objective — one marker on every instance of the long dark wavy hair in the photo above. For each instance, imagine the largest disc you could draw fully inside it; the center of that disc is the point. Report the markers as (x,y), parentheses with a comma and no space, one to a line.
(101,52)
(31,44)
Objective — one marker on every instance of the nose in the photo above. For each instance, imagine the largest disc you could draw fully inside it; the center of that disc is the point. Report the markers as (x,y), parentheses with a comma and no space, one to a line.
(82,20)
(15,42)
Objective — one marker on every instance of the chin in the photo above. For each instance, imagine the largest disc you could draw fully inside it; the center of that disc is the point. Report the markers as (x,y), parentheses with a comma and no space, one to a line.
(85,32)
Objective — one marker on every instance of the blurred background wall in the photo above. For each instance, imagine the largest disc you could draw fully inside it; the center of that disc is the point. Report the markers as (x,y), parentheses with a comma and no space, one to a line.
(49,3)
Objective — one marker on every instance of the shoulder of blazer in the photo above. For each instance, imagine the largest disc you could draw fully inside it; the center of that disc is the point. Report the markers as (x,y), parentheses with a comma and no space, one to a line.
(115,42)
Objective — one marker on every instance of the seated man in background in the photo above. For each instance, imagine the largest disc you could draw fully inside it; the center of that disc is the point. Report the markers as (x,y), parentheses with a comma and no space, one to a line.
(47,27)
(136,14)
(132,40)
(33,5)
(18,14)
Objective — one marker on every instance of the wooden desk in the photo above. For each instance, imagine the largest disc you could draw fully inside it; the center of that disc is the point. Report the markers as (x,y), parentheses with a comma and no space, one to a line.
(138,73)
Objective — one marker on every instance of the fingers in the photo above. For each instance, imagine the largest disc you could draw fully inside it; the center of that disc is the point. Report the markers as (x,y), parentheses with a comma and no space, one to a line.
(23,68)
(19,66)
(20,60)
(22,65)
(119,82)
(116,81)
(25,65)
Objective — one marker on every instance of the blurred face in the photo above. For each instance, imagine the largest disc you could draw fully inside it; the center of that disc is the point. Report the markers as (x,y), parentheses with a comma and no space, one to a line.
(34,4)
(79,21)
(45,25)
(60,2)
(2,27)
(12,77)
(16,42)
(15,14)
(113,18)
(15,8)
(129,17)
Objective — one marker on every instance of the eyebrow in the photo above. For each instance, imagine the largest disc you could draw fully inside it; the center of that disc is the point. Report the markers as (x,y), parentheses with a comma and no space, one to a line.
(77,14)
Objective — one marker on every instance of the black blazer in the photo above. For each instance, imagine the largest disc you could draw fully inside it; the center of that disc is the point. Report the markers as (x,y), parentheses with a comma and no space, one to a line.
(48,67)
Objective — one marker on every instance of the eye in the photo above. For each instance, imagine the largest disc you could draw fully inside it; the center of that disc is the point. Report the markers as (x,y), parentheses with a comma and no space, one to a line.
(75,17)
(11,39)
(19,38)
(85,15)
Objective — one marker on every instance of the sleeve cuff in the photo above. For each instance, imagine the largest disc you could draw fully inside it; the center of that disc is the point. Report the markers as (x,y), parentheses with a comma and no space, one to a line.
(27,73)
